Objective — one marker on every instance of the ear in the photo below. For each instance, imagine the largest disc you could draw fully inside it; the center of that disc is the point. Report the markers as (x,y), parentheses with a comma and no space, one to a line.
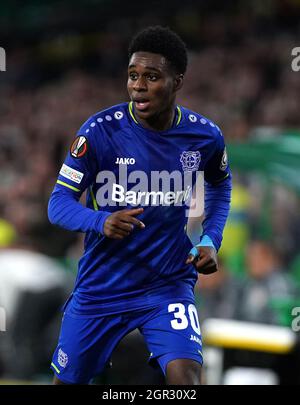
(178,82)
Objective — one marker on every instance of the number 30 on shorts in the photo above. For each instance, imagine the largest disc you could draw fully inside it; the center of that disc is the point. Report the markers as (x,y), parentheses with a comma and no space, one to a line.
(181,321)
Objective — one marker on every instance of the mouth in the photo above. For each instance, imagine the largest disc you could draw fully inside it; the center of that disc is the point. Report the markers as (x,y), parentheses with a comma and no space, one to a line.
(141,105)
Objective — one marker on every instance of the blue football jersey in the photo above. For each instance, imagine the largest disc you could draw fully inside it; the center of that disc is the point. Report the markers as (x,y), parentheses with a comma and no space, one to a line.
(123,165)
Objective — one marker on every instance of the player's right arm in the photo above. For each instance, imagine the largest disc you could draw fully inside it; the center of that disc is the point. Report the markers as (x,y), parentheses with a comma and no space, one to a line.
(77,173)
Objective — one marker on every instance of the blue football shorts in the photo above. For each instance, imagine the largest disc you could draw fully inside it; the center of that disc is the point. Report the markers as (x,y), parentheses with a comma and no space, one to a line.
(171,331)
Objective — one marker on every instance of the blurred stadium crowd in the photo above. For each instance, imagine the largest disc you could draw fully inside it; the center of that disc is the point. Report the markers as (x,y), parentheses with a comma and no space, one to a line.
(239,75)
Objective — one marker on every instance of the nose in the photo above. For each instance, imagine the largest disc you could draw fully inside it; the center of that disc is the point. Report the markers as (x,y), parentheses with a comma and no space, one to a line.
(140,84)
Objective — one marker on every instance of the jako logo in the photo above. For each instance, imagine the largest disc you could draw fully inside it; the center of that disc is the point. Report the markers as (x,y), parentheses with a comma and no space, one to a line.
(296,320)
(2,60)
(125,161)
(296,60)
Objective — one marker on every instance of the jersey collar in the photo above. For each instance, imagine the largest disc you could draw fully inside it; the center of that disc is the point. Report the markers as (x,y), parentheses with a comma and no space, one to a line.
(178,114)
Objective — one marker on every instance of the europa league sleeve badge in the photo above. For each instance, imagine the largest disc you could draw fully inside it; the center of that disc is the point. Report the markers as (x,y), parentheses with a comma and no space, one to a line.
(79,147)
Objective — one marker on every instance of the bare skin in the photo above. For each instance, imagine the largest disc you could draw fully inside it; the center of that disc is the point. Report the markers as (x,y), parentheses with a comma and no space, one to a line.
(152,86)
(121,223)
(183,372)
(179,372)
(206,262)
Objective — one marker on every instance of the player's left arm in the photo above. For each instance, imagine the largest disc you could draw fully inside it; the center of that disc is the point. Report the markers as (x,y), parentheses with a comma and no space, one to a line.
(218,186)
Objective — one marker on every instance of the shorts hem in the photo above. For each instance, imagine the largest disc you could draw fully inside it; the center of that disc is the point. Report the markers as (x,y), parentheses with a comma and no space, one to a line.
(157,361)
(63,380)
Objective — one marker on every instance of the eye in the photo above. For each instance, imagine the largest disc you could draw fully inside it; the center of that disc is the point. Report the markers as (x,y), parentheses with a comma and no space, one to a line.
(152,77)
(133,76)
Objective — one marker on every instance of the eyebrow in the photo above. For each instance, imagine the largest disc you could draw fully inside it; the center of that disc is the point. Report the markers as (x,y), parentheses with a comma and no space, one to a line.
(146,67)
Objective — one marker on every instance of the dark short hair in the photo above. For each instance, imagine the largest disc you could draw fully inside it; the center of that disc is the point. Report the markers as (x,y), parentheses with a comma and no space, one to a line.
(163,41)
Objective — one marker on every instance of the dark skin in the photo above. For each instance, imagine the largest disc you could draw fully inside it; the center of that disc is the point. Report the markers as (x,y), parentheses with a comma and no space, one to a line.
(152,86)
(121,223)
(206,262)
(152,80)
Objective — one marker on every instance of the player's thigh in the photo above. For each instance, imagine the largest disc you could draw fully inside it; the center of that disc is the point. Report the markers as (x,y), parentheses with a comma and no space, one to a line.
(173,332)
(85,346)
(182,371)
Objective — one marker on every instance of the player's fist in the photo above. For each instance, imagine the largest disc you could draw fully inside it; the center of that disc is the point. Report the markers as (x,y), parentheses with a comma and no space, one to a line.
(204,259)
(121,223)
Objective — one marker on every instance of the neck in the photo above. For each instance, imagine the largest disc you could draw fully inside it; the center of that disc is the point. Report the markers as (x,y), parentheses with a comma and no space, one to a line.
(160,122)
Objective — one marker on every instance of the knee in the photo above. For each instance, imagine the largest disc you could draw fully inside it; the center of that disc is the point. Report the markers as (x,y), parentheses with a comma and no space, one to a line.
(183,372)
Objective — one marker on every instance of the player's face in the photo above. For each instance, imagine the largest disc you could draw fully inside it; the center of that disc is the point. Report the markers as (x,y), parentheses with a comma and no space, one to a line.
(152,85)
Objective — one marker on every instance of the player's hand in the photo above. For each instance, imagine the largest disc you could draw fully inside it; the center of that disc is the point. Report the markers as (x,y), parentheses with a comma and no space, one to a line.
(205,261)
(121,223)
